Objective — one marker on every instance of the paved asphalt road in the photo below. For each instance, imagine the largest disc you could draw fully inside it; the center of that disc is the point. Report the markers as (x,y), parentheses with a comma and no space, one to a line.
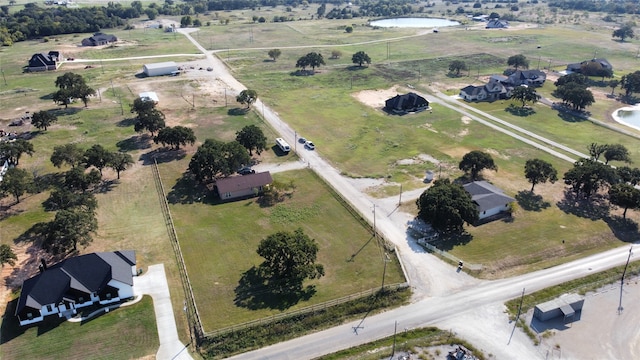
(444,293)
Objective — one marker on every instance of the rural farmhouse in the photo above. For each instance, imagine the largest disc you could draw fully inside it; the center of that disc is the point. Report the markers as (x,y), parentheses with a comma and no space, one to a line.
(236,187)
(402,104)
(96,278)
(99,39)
(489,199)
(44,62)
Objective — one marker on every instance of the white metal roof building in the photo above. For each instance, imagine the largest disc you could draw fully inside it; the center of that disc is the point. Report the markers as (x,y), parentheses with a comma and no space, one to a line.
(160,69)
(566,305)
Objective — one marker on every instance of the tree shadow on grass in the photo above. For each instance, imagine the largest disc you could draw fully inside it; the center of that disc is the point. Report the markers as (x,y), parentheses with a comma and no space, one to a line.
(519,110)
(595,208)
(127,122)
(255,291)
(447,242)
(188,191)
(136,142)
(623,229)
(58,112)
(162,156)
(105,186)
(530,201)
(238,111)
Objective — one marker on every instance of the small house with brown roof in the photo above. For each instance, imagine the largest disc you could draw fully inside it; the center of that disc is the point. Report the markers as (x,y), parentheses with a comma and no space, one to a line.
(236,187)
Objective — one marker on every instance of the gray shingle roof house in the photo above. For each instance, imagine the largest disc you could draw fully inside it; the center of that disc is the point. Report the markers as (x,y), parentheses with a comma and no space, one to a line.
(96,278)
(489,199)
(235,187)
(402,104)
(44,62)
(497,24)
(526,77)
(492,91)
(99,39)
(577,67)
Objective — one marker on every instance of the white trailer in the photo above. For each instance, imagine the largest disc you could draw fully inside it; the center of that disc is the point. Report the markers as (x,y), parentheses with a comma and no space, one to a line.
(283,145)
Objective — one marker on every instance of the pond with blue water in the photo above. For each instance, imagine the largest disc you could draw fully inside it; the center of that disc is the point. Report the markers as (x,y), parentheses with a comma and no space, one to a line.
(629,116)
(413,23)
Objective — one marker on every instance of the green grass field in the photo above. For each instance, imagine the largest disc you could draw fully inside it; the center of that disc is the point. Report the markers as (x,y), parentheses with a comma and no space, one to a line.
(218,247)
(58,339)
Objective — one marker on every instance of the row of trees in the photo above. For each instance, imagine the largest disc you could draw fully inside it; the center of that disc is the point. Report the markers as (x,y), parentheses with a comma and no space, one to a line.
(96,156)
(447,206)
(314,59)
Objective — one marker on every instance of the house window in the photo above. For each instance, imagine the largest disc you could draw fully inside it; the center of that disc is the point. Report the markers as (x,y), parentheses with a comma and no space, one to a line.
(49,308)
(228,195)
(484,212)
(108,295)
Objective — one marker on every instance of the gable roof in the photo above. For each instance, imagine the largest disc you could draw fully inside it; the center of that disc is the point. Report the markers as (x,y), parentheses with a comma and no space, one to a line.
(486,196)
(244,182)
(497,23)
(406,102)
(577,67)
(99,39)
(41,59)
(86,273)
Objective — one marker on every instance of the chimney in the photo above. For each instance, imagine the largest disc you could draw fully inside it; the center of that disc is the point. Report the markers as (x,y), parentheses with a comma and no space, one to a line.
(43,264)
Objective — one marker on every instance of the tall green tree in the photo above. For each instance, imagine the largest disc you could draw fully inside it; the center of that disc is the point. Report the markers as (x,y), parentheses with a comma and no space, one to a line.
(77,179)
(247,96)
(628,175)
(120,162)
(539,171)
(525,94)
(625,196)
(456,66)
(151,121)
(7,256)
(447,206)
(72,86)
(360,58)
(596,150)
(216,158)
(631,83)
(625,31)
(13,150)
(252,138)
(70,154)
(474,162)
(589,176)
(43,119)
(290,257)
(65,199)
(97,156)
(616,152)
(274,54)
(69,229)
(575,95)
(518,61)
(175,136)
(16,182)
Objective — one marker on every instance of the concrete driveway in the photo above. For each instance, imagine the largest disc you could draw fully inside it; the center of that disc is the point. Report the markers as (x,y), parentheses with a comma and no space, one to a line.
(154,283)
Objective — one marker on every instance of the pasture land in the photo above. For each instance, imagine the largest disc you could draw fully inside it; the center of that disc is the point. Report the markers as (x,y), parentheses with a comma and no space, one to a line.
(219,242)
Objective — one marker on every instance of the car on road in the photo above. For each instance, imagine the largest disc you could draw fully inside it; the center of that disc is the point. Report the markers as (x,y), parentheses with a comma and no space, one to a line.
(246,170)
(302,140)
(309,145)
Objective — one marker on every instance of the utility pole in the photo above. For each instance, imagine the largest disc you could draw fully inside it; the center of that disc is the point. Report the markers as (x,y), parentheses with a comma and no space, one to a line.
(3,78)
(375,234)
(400,200)
(393,349)
(622,279)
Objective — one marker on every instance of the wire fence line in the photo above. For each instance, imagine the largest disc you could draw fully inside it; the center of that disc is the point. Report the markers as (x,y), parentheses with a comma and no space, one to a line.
(193,317)
(425,242)
(304,310)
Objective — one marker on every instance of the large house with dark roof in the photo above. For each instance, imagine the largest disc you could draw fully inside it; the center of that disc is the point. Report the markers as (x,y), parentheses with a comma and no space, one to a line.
(44,62)
(99,39)
(489,199)
(577,67)
(402,104)
(492,91)
(96,278)
(236,187)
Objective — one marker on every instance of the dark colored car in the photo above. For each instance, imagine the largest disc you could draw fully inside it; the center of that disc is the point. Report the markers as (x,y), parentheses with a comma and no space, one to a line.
(246,170)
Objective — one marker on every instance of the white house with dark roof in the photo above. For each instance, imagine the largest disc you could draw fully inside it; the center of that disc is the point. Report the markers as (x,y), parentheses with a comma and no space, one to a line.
(235,187)
(96,278)
(489,199)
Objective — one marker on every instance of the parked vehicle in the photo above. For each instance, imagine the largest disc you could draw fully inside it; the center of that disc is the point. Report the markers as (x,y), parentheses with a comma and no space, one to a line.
(283,145)
(302,140)
(310,145)
(246,170)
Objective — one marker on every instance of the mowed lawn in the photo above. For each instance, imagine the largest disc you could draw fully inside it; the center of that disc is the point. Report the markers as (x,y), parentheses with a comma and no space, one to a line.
(219,243)
(135,323)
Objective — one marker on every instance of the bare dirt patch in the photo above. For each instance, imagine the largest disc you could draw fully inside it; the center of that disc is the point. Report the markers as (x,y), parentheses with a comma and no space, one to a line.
(376,98)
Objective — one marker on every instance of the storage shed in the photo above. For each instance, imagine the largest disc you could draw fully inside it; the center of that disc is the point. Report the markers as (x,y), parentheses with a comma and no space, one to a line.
(160,69)
(566,305)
